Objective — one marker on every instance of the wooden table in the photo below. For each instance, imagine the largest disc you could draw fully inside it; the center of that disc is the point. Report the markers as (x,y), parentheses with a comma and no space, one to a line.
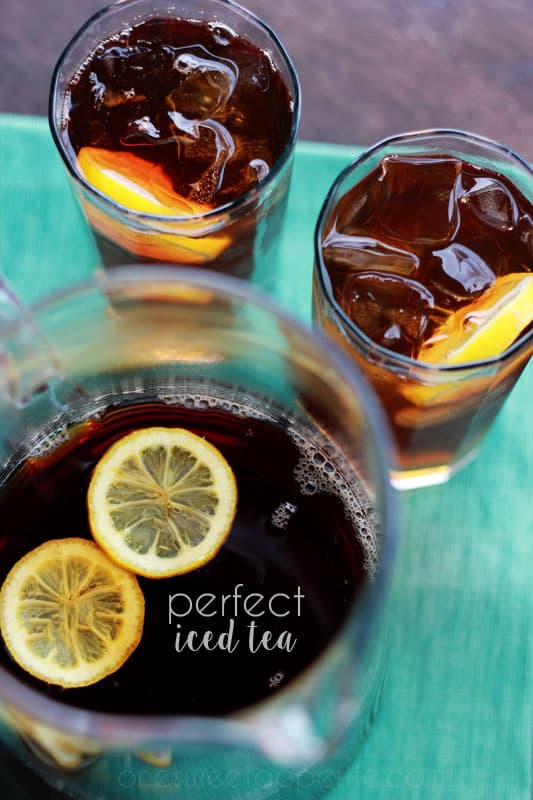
(369,68)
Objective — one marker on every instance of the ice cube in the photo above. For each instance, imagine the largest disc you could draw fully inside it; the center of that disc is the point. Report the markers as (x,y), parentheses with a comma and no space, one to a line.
(419,199)
(259,169)
(112,98)
(492,203)
(250,163)
(206,83)
(526,237)
(459,274)
(144,128)
(118,65)
(97,89)
(355,214)
(355,253)
(208,184)
(391,310)
(120,75)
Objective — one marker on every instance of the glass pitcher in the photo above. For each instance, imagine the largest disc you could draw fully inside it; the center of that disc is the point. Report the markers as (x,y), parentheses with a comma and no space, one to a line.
(202,342)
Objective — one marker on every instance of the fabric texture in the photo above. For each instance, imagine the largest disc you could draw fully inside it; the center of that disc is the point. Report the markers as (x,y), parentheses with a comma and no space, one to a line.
(456,718)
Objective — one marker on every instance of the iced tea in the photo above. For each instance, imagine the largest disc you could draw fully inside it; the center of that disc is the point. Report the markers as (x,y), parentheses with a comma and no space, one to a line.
(296,538)
(430,255)
(172,121)
(305,556)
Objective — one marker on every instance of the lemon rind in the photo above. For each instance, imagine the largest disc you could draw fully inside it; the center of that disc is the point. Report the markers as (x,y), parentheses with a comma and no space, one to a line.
(13,633)
(103,530)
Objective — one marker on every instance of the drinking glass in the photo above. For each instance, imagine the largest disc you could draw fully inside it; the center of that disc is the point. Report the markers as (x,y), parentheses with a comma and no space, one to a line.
(438,414)
(238,238)
(198,339)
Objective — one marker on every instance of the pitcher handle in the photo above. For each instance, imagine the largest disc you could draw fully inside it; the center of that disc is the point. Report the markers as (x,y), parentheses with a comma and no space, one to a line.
(22,341)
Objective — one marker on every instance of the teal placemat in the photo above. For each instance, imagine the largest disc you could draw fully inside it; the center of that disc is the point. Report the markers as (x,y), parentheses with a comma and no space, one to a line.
(456,720)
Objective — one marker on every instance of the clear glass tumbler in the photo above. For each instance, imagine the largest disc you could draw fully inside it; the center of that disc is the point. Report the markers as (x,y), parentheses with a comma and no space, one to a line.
(438,414)
(199,343)
(238,238)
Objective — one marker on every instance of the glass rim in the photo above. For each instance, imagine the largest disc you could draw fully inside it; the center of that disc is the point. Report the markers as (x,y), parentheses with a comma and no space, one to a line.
(118,728)
(242,201)
(325,284)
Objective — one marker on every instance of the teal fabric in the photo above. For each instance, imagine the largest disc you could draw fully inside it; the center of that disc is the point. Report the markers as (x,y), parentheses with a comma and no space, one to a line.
(456,719)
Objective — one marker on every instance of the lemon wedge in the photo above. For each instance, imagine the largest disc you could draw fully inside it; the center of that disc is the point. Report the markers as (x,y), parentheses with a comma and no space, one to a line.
(143,187)
(134,183)
(69,615)
(162,501)
(486,327)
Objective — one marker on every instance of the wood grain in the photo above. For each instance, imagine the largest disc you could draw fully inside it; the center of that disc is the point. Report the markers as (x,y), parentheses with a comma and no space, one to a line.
(368,68)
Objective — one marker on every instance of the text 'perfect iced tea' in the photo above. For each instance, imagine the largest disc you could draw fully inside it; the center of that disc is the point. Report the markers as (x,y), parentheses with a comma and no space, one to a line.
(299,551)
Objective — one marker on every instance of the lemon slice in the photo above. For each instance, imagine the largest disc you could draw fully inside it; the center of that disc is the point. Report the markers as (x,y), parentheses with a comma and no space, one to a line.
(68,615)
(486,327)
(134,183)
(57,749)
(162,501)
(156,758)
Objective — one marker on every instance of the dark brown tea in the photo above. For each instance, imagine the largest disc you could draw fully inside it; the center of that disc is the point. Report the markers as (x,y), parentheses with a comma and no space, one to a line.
(431,256)
(418,239)
(177,117)
(294,545)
